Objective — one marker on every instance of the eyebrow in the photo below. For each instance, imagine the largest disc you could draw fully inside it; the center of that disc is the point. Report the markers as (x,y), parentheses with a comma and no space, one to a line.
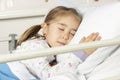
(62,24)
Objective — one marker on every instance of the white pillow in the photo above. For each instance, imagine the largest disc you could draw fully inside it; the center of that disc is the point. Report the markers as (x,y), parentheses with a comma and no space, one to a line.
(105,20)
(71,3)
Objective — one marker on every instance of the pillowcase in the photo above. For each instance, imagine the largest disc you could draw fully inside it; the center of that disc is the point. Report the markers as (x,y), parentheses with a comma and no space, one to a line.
(105,20)
(83,8)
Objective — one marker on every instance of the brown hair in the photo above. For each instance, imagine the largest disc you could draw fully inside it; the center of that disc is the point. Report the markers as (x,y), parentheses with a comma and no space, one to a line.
(51,16)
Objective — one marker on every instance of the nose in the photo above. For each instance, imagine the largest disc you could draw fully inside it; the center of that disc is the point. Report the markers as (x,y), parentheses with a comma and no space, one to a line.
(65,36)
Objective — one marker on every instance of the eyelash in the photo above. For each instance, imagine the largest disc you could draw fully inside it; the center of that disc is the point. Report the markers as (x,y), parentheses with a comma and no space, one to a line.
(61,29)
(72,34)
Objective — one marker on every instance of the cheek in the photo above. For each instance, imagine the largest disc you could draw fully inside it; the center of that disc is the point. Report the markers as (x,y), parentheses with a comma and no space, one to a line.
(55,32)
(53,35)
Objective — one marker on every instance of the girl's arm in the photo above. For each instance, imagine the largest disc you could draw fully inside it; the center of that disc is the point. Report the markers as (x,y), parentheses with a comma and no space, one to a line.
(85,53)
(35,65)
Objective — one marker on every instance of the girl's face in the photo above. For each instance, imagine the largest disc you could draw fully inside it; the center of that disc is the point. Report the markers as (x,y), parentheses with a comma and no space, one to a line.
(61,31)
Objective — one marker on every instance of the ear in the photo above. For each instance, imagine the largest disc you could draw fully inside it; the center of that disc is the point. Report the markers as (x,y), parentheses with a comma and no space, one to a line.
(45,28)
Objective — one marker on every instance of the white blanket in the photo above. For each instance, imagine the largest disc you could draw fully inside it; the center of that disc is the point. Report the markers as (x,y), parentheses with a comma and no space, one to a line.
(103,64)
(109,68)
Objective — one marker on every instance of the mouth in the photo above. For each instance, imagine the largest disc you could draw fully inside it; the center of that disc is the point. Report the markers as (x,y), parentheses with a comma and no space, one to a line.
(61,43)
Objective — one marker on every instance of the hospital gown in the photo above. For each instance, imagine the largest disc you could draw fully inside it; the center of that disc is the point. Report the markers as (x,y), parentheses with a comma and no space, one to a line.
(40,67)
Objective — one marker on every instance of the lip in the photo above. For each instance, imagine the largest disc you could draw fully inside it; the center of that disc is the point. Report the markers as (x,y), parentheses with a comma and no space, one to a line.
(61,43)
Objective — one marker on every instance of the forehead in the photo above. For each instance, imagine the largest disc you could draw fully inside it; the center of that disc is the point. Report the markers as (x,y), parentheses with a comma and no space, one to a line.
(68,21)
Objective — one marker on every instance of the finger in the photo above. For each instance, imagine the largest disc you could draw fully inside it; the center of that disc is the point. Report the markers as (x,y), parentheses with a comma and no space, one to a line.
(88,38)
(83,39)
(94,36)
(98,38)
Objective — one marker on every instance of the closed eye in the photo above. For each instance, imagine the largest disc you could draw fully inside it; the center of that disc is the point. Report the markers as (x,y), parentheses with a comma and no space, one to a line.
(61,29)
(72,34)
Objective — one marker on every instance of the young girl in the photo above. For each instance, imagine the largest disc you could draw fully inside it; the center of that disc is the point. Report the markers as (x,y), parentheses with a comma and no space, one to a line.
(59,27)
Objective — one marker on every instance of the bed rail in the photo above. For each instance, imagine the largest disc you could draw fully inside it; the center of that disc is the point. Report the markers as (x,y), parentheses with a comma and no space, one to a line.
(58,50)
(22,13)
(117,77)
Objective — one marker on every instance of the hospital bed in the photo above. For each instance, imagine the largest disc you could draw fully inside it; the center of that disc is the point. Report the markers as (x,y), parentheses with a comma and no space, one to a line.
(109,53)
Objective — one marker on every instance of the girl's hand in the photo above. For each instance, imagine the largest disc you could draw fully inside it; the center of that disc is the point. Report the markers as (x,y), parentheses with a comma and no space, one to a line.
(90,38)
